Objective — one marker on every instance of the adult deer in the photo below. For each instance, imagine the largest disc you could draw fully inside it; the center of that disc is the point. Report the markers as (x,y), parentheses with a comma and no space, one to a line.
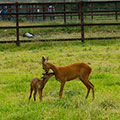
(70,72)
(37,84)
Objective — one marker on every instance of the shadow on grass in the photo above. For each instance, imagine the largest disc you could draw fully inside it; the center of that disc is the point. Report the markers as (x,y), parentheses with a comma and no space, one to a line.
(71,93)
(113,84)
(107,104)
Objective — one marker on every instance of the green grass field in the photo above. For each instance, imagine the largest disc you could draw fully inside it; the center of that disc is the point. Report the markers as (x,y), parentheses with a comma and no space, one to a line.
(18,65)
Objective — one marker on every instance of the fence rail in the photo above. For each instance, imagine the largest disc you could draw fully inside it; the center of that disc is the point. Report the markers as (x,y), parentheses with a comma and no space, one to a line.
(80,12)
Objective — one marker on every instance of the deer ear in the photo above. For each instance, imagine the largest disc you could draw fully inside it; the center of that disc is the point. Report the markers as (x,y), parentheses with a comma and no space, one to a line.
(43,59)
(47,58)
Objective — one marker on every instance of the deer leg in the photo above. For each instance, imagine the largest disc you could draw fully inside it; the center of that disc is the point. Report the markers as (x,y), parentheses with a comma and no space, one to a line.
(31,90)
(40,94)
(87,92)
(35,94)
(61,89)
(92,89)
(88,85)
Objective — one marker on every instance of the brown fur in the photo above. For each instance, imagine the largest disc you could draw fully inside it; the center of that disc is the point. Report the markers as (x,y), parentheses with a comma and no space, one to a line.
(37,84)
(70,72)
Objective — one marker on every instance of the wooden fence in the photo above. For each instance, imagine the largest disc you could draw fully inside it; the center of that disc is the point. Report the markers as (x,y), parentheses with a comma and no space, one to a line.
(75,9)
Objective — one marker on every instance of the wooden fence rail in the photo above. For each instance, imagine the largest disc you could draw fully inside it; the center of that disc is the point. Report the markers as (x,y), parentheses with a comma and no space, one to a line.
(80,12)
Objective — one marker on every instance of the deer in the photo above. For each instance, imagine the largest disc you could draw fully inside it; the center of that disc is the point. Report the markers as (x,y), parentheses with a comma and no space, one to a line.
(37,84)
(70,72)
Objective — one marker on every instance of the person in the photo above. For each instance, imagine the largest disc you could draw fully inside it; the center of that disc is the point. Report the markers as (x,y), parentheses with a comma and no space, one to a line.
(0,13)
(4,11)
(51,9)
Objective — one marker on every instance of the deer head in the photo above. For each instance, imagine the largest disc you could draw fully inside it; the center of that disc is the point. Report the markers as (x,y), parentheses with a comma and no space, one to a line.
(44,65)
(47,75)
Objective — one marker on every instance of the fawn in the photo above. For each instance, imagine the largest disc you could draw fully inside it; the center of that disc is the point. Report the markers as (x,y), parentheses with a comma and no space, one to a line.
(70,72)
(37,84)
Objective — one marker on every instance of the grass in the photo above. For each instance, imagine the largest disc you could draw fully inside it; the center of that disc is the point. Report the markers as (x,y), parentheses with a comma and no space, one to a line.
(57,32)
(18,65)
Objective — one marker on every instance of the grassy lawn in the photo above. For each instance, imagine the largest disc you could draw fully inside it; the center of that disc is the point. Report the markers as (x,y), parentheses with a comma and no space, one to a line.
(18,65)
(61,32)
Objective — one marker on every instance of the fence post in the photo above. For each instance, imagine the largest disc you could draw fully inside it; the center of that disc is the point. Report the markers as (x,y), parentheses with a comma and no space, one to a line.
(10,12)
(71,14)
(116,8)
(82,22)
(91,11)
(32,16)
(17,25)
(43,7)
(64,13)
(79,9)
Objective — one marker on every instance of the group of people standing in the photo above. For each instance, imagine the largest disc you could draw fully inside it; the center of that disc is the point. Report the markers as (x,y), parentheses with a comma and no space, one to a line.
(52,9)
(4,12)
(5,16)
